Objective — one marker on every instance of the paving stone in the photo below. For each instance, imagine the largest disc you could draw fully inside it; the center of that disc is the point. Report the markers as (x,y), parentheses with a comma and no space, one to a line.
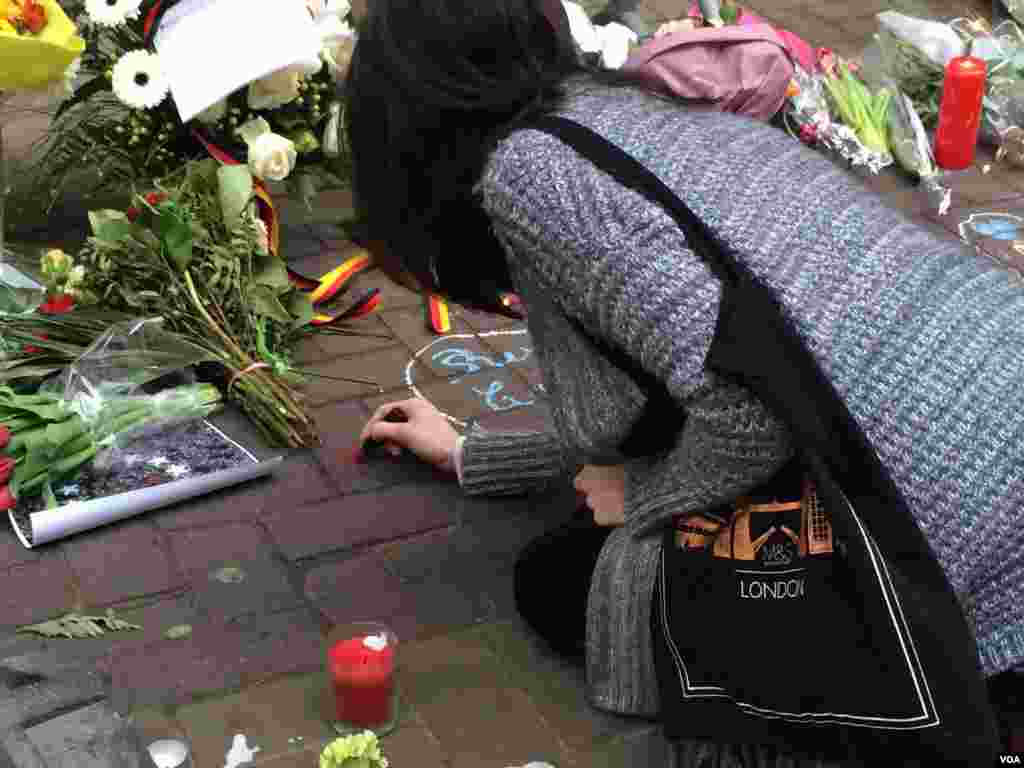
(121,561)
(977,187)
(486,321)
(556,686)
(355,520)
(214,658)
(392,295)
(36,590)
(299,480)
(283,717)
(457,687)
(156,723)
(379,596)
(339,425)
(198,550)
(91,737)
(386,367)
(373,474)
(354,338)
(16,751)
(12,551)
(307,350)
(233,589)
(239,503)
(298,242)
(413,745)
(410,326)
(38,701)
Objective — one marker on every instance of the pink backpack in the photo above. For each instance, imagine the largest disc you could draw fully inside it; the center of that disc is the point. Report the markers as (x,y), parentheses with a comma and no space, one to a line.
(744,69)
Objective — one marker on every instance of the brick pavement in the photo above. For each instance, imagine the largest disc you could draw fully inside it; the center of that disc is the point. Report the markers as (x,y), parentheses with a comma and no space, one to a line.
(328,541)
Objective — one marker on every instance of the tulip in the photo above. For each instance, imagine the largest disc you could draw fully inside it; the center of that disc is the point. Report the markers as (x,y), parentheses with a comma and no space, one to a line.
(7,500)
(6,469)
(5,436)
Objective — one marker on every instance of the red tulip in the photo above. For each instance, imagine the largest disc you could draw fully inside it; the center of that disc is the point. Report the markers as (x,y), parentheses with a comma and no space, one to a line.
(6,469)
(7,500)
(58,304)
(132,213)
(5,436)
(155,198)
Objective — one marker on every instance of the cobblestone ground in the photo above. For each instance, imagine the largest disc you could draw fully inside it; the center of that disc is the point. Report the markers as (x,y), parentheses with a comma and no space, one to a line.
(327,541)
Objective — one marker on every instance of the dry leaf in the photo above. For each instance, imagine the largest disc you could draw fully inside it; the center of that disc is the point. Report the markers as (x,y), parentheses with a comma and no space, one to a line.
(75,626)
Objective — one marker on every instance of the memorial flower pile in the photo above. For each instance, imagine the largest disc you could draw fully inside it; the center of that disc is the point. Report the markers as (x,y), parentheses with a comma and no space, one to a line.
(123,125)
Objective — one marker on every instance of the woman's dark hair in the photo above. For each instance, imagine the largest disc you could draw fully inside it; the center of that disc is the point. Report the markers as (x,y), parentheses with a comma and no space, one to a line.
(430,85)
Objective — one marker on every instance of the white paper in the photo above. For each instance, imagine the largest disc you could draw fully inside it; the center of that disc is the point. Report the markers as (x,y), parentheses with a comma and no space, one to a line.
(53,524)
(210,48)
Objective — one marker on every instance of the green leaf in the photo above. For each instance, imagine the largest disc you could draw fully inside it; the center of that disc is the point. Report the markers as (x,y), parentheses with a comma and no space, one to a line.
(176,237)
(264,301)
(301,308)
(110,226)
(235,191)
(270,271)
(64,432)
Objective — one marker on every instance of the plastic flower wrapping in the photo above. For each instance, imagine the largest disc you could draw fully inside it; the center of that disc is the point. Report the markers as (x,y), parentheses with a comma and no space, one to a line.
(38,44)
(808,108)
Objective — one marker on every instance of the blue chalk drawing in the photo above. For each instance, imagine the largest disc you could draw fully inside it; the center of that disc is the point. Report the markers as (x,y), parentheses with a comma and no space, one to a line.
(998,226)
(469,362)
(497,401)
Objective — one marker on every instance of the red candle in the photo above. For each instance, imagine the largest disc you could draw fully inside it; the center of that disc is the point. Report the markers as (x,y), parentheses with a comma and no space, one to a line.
(362,670)
(960,113)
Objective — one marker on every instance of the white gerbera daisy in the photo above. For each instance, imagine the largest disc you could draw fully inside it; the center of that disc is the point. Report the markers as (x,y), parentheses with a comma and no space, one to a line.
(138,80)
(110,13)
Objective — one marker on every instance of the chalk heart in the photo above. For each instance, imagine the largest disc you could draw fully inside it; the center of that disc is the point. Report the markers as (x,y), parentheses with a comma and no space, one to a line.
(455,353)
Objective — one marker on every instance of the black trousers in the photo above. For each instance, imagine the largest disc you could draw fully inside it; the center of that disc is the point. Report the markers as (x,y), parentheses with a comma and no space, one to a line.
(552,581)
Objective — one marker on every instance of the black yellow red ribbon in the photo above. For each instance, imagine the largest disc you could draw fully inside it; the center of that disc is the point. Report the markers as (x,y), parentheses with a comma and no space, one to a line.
(438,314)
(323,289)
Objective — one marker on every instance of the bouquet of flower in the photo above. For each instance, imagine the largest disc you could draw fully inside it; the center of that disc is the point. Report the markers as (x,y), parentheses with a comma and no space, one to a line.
(45,438)
(123,124)
(38,44)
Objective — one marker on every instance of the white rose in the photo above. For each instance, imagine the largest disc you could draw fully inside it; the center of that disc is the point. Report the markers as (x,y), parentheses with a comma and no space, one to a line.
(271,157)
(275,90)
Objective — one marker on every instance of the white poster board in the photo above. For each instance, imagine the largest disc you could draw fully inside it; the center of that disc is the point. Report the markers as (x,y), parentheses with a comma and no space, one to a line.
(210,48)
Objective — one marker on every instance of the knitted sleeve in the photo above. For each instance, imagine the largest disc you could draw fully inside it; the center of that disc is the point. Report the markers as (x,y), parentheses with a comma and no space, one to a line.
(512,463)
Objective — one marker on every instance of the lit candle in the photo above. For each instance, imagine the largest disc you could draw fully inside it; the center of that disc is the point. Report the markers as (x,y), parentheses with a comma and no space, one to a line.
(960,113)
(362,670)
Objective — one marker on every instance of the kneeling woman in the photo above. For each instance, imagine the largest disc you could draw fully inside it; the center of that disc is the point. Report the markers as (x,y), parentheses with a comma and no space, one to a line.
(922,342)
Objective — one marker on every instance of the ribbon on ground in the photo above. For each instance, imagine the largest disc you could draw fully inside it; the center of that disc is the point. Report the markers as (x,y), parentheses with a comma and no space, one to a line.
(438,315)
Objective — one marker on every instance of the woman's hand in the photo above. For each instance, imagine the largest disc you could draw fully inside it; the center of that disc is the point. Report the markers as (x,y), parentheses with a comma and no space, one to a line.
(426,432)
(605,489)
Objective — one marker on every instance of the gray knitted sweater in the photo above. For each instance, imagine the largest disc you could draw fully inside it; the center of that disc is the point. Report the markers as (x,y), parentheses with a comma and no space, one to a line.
(924,341)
